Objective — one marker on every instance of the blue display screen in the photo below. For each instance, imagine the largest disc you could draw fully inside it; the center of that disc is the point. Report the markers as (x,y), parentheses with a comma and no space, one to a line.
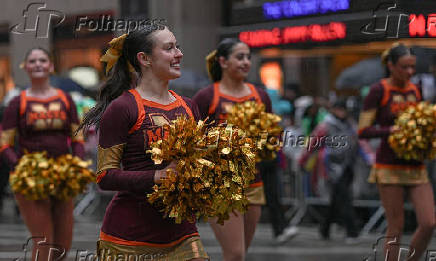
(293,8)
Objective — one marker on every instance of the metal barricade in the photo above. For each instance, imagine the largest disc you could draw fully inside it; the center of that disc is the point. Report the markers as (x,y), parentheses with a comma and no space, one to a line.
(301,205)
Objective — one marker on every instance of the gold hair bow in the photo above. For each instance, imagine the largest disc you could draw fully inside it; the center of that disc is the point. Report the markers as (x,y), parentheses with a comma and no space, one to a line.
(114,52)
(210,59)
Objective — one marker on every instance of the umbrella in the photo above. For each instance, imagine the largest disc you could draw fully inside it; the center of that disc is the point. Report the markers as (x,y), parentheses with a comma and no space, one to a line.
(369,71)
(66,84)
(363,73)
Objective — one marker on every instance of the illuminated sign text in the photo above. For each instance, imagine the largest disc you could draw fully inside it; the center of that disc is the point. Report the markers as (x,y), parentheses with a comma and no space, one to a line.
(295,34)
(419,26)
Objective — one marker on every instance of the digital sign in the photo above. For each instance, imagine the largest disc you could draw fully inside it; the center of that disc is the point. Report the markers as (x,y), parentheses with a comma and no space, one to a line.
(294,8)
(421,26)
(295,34)
(273,10)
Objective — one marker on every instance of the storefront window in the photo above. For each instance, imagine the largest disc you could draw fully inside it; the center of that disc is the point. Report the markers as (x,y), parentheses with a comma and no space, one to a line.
(271,76)
(6,82)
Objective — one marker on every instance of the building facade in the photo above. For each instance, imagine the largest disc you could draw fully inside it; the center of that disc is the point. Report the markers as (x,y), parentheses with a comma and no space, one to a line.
(308,43)
(77,33)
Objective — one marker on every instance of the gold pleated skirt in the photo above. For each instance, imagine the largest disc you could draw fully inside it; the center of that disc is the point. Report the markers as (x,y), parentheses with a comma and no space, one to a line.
(256,195)
(397,174)
(188,249)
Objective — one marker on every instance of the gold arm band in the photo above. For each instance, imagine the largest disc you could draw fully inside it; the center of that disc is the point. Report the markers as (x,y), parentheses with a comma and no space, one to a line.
(7,137)
(79,137)
(367,118)
(109,158)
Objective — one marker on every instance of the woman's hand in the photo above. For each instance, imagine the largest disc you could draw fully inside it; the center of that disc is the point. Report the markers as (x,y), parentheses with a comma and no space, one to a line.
(162,174)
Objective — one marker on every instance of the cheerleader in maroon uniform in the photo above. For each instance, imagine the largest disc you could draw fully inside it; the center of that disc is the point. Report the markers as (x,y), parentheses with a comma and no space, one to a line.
(129,120)
(228,67)
(44,119)
(397,177)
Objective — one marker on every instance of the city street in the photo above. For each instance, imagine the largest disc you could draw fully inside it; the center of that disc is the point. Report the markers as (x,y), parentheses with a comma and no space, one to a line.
(335,101)
(306,246)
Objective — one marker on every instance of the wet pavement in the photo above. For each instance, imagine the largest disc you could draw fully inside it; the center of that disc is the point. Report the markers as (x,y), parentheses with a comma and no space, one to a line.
(306,246)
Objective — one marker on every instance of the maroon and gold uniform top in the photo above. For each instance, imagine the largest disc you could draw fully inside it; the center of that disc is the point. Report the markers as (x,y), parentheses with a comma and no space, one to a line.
(41,125)
(381,107)
(128,127)
(216,105)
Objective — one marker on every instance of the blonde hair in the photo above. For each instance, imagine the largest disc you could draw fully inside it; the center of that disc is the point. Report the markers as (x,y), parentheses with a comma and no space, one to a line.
(210,60)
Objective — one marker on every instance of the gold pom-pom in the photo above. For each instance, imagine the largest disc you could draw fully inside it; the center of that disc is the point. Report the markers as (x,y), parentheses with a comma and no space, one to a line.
(259,125)
(37,177)
(235,157)
(184,194)
(213,168)
(32,176)
(414,138)
(72,176)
